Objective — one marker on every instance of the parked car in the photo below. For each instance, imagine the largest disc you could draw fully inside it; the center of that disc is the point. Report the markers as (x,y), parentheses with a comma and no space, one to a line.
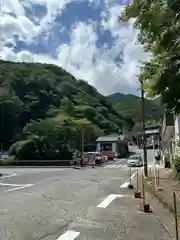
(4,155)
(89,157)
(109,155)
(135,161)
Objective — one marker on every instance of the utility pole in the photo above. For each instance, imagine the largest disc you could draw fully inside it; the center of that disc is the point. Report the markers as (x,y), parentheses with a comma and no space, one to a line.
(82,139)
(143,129)
(154,159)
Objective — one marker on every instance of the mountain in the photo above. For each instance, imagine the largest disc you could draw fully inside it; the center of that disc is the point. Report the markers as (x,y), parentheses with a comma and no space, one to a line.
(33,92)
(82,36)
(129,106)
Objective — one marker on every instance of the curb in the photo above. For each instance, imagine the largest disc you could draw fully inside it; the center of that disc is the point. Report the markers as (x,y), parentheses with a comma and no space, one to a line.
(74,167)
(150,196)
(160,211)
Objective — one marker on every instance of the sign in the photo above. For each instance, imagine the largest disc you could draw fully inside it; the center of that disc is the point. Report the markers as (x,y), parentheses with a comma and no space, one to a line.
(153,131)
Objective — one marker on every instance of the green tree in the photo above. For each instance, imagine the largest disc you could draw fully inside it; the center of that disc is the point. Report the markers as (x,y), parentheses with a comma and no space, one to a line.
(158,23)
(10,111)
(68,106)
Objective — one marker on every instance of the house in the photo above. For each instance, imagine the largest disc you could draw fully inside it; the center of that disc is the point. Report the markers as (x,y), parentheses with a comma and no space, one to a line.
(112,145)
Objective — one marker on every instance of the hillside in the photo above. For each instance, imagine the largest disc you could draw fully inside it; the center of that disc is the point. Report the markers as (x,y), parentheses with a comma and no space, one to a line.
(31,93)
(129,106)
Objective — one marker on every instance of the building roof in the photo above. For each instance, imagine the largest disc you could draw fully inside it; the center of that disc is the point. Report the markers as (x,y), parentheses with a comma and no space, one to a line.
(110,138)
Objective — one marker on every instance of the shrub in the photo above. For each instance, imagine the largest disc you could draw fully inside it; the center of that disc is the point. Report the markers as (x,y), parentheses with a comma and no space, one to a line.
(177,167)
(11,160)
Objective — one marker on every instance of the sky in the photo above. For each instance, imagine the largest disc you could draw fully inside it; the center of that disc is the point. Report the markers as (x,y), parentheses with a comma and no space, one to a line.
(82,36)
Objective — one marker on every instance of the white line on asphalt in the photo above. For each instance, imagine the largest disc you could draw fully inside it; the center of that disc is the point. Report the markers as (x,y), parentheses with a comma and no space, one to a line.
(20,187)
(125,166)
(8,176)
(11,184)
(114,164)
(117,166)
(125,185)
(69,235)
(109,199)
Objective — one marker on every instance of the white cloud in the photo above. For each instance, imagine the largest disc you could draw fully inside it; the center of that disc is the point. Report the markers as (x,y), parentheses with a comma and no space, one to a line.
(12,6)
(81,56)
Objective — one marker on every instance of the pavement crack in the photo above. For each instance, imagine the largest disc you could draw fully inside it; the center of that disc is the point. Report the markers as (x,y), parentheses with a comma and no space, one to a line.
(63,227)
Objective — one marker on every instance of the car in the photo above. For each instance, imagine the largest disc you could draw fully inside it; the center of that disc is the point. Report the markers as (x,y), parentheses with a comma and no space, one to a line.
(90,156)
(135,161)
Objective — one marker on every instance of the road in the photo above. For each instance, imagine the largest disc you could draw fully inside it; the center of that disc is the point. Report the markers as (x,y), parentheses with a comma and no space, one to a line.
(68,204)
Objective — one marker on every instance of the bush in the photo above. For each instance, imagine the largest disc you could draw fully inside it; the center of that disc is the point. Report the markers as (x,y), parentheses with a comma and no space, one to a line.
(10,161)
(177,167)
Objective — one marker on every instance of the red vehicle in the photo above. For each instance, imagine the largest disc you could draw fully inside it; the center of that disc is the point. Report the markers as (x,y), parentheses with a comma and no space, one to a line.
(90,157)
(109,155)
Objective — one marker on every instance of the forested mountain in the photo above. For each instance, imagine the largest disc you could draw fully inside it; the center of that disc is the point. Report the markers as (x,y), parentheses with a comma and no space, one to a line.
(38,99)
(129,106)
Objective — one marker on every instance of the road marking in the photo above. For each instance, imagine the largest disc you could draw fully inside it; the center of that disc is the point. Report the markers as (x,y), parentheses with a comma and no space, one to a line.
(125,185)
(125,166)
(8,176)
(113,164)
(116,166)
(11,184)
(109,199)
(69,235)
(20,187)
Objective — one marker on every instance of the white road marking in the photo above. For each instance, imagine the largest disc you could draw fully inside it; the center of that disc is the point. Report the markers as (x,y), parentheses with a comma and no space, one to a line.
(20,187)
(114,164)
(125,166)
(8,176)
(109,199)
(69,235)
(11,184)
(125,185)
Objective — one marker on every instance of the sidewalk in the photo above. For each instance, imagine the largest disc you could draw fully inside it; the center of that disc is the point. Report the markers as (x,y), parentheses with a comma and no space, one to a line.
(161,197)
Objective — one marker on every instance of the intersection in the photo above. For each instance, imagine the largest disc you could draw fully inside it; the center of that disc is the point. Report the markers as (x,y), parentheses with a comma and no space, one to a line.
(68,204)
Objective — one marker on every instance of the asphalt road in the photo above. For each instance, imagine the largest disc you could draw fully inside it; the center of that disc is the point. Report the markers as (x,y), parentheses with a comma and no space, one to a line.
(67,204)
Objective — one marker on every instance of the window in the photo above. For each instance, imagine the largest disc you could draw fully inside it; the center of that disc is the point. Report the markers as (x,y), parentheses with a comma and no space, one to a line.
(106,147)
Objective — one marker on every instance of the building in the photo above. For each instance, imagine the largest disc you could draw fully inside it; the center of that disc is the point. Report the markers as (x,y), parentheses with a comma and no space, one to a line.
(112,145)
(168,135)
(168,132)
(176,143)
(151,132)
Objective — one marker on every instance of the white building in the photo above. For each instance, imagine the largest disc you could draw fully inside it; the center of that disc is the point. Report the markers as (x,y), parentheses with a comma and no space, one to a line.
(176,145)
(112,145)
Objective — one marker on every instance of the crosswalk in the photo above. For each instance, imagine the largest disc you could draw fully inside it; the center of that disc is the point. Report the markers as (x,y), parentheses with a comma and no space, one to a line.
(116,166)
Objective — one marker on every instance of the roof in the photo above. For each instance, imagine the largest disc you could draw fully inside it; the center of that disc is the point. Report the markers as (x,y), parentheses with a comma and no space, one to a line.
(110,138)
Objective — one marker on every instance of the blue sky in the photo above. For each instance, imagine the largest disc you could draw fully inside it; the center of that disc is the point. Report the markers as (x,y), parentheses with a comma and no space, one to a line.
(82,36)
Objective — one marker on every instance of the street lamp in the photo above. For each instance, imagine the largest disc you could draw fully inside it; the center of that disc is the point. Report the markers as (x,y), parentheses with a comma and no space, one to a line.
(143,129)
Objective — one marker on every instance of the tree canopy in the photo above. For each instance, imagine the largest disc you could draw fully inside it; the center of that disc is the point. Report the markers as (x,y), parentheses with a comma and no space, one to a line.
(158,23)
(129,106)
(45,107)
